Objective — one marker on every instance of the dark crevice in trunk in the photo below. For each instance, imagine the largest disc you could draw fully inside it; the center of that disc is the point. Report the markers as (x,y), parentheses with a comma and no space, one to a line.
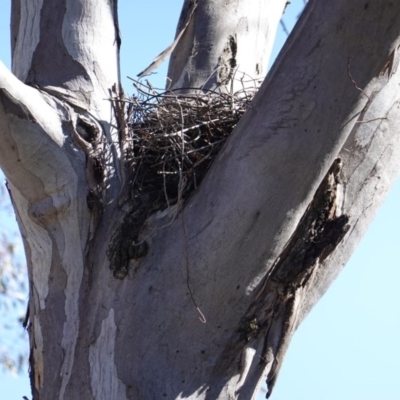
(272,316)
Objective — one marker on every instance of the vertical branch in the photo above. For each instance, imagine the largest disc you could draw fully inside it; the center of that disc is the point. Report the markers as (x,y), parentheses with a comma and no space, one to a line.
(70,47)
(214,46)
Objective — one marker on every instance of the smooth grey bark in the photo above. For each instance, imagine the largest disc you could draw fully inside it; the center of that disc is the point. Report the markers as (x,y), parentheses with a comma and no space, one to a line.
(272,224)
(58,153)
(226,44)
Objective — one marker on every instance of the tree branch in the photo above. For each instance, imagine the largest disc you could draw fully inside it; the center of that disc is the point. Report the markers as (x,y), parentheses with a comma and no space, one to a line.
(214,50)
(70,45)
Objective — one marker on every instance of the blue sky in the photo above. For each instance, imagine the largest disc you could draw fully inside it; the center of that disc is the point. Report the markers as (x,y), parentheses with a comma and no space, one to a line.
(348,347)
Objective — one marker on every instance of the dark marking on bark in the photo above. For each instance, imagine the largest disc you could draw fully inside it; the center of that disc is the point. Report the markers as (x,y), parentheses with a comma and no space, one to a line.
(87,130)
(94,203)
(26,320)
(125,244)
(98,170)
(227,61)
(249,328)
(52,65)
(14,107)
(34,390)
(116,24)
(15,20)
(35,393)
(233,47)
(272,316)
(318,233)
(91,200)
(87,134)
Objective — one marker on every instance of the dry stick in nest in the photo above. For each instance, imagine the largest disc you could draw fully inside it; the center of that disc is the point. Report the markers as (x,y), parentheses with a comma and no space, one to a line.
(172,115)
(202,121)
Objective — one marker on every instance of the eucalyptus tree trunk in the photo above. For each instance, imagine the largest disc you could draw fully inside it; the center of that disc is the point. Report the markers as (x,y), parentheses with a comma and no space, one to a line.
(272,224)
(224,44)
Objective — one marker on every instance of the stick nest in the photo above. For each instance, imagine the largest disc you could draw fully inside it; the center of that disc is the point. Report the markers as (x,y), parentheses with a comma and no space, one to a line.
(175,138)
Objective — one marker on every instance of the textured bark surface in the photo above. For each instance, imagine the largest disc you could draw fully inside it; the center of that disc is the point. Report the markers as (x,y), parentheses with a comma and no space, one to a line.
(272,224)
(226,44)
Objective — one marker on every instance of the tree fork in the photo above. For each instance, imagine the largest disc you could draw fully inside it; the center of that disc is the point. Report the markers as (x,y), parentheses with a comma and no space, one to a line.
(97,337)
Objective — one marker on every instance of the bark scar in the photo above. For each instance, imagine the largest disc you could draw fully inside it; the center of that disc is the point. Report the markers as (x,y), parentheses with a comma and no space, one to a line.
(227,61)
(87,135)
(278,303)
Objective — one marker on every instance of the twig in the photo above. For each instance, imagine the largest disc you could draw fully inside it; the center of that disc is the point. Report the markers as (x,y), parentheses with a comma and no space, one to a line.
(202,318)
(353,81)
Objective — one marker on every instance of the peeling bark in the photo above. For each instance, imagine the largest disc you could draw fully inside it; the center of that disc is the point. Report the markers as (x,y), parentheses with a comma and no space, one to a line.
(276,307)
(103,372)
